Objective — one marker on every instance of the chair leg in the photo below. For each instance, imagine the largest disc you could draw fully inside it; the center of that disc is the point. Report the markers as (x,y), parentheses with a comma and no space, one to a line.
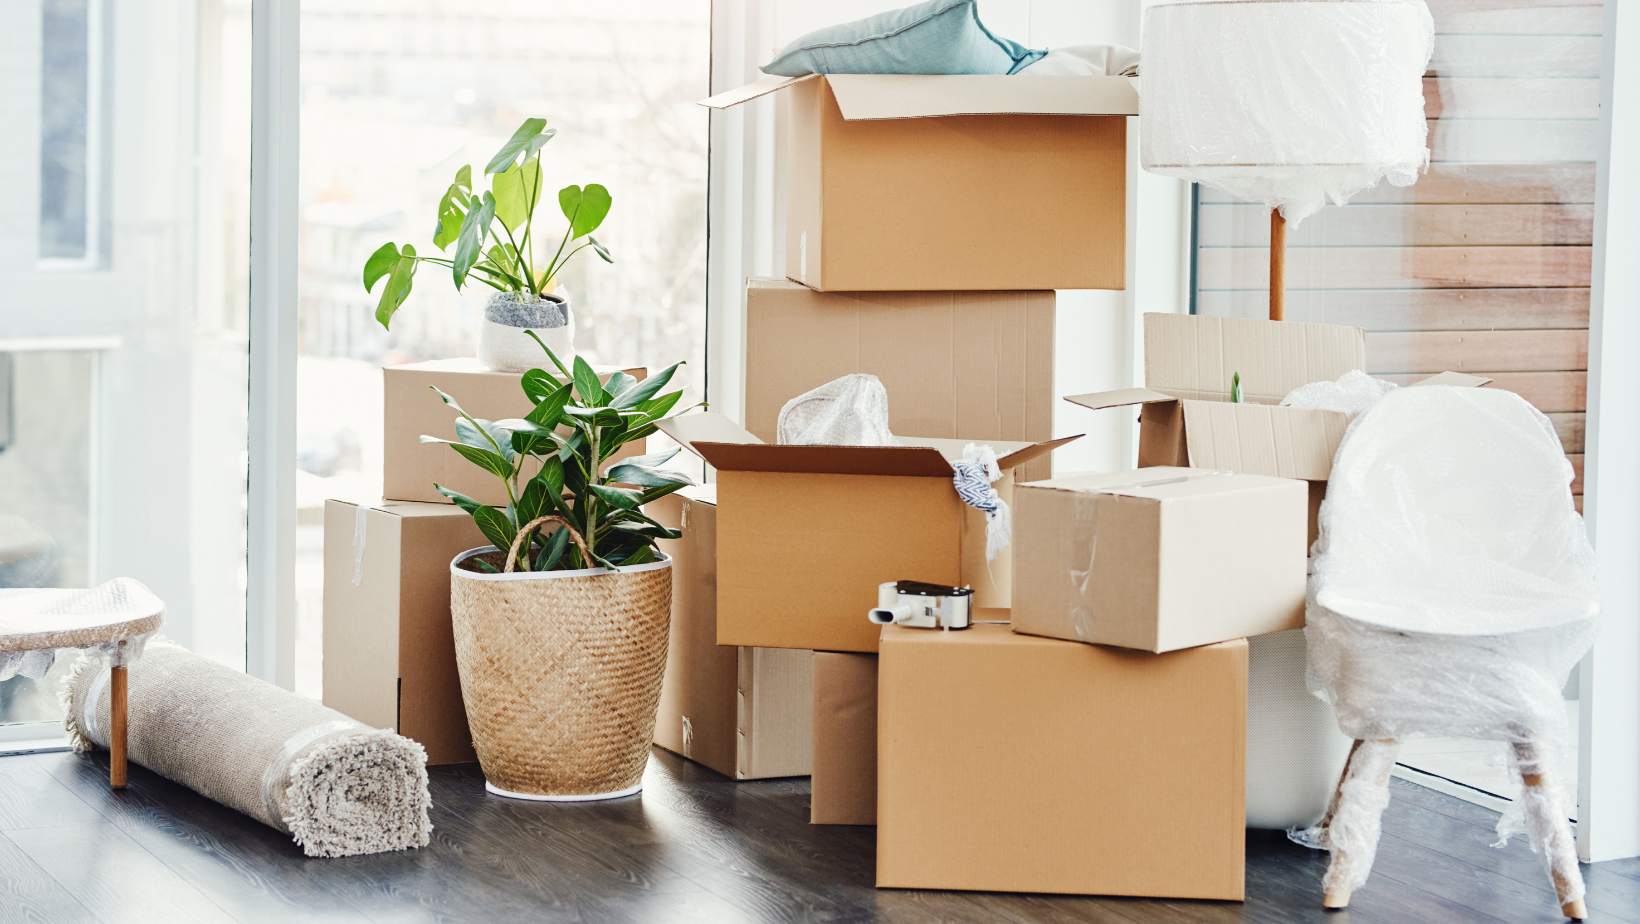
(1548,827)
(116,727)
(1354,825)
(1338,789)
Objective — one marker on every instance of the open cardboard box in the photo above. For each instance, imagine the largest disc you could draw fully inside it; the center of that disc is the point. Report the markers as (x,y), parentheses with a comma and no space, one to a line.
(1188,421)
(975,364)
(806,533)
(904,182)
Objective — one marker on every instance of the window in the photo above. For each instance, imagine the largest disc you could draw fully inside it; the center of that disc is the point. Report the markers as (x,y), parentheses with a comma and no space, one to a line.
(123,338)
(394,101)
(70,136)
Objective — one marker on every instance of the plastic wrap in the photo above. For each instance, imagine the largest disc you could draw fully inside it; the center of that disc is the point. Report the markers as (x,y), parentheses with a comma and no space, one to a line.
(502,343)
(114,618)
(1287,102)
(850,411)
(1452,592)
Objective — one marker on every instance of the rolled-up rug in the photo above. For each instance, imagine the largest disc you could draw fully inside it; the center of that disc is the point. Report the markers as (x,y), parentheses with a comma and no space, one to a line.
(338,787)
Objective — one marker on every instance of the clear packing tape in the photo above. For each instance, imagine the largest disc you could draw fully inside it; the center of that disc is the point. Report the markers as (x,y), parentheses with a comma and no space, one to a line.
(1452,591)
(1287,102)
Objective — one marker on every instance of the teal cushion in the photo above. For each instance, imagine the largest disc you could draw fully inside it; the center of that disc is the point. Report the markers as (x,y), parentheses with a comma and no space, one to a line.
(936,37)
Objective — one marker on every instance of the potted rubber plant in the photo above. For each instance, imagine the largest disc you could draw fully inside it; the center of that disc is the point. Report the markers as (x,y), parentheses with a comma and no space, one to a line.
(561,624)
(495,243)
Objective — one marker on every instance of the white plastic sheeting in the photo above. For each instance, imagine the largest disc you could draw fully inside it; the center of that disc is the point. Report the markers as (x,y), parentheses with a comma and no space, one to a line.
(850,411)
(1452,592)
(1287,102)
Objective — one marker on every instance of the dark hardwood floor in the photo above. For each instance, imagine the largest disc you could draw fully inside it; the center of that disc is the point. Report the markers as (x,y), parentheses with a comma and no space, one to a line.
(693,847)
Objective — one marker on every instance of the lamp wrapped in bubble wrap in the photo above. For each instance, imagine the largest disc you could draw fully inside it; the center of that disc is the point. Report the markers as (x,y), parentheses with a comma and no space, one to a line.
(1292,103)
(1451,593)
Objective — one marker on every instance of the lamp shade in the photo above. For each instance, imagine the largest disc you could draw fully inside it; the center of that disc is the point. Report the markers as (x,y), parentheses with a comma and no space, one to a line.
(1286,102)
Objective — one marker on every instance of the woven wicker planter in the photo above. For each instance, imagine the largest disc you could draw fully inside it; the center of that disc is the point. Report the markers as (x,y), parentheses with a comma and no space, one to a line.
(561,672)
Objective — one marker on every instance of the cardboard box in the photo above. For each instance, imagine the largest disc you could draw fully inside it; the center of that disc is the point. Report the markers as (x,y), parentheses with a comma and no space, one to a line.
(843,790)
(1160,558)
(971,364)
(1187,419)
(389,651)
(1020,764)
(411,409)
(918,183)
(806,533)
(744,712)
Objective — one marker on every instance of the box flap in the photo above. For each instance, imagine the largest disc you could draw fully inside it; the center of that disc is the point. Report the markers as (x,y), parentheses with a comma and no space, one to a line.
(910,96)
(1260,439)
(1194,356)
(1119,398)
(913,461)
(1456,379)
(707,427)
(751,91)
(1010,453)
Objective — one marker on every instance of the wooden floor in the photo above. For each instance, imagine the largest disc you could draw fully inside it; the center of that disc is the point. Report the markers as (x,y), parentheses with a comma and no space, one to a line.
(693,847)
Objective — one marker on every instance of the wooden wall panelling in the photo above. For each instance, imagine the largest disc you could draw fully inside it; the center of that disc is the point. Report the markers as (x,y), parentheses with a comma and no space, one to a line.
(1414,309)
(1397,268)
(1420,225)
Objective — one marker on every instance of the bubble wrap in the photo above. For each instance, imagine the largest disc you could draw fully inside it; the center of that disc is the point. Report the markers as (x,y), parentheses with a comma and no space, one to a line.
(850,411)
(114,618)
(1287,102)
(502,343)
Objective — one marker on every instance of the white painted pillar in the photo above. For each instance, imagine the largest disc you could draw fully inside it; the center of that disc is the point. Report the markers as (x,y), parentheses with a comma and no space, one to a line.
(1609,750)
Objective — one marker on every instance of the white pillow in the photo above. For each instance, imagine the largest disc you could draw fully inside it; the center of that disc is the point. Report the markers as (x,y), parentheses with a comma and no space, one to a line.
(1085,61)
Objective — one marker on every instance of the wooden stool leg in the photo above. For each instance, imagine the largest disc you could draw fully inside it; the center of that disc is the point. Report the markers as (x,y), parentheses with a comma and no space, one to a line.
(1549,829)
(1353,828)
(116,727)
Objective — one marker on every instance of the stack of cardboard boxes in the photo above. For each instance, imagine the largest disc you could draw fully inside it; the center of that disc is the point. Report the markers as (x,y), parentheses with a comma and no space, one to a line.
(1088,735)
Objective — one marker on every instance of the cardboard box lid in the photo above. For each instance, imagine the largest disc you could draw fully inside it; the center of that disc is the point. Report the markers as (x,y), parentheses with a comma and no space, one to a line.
(864,97)
(1158,483)
(1194,356)
(727,446)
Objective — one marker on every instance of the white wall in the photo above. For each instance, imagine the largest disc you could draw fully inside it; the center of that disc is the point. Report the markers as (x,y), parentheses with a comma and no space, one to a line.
(1097,331)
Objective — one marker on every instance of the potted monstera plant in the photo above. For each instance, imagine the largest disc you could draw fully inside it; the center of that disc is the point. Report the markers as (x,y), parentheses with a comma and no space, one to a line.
(561,624)
(495,243)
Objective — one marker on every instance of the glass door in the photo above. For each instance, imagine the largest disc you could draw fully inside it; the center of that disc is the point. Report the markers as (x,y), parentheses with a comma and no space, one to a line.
(123,326)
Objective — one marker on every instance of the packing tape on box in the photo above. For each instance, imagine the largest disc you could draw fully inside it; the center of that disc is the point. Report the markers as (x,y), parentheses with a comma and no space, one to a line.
(1087,530)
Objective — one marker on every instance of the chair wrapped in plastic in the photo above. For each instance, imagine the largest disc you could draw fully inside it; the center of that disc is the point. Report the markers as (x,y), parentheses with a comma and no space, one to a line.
(1452,592)
(115,619)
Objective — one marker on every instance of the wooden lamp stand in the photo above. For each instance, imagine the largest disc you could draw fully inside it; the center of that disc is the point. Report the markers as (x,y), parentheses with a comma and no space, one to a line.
(1278,266)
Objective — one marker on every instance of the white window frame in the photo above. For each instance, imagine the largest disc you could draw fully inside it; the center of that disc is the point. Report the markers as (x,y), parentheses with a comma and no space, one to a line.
(270,603)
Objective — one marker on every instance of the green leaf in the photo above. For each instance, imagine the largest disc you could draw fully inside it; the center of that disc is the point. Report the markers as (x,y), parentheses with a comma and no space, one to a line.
(623,498)
(380,264)
(585,208)
(618,382)
(550,354)
(521,139)
(1235,388)
(533,502)
(643,556)
(495,526)
(490,521)
(639,392)
(486,435)
(660,491)
(551,476)
(397,287)
(469,246)
(452,209)
(487,459)
(538,385)
(447,400)
(516,190)
(484,566)
(601,250)
(552,551)
(647,530)
(654,459)
(645,476)
(587,387)
(550,409)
